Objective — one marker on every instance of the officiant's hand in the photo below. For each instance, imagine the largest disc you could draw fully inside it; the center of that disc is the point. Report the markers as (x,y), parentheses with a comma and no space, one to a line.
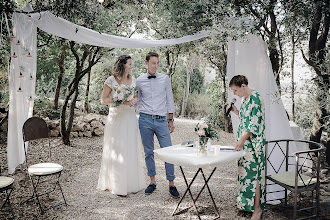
(234,109)
(239,144)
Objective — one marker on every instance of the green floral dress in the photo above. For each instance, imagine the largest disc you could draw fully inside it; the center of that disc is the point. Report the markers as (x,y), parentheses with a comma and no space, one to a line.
(251,167)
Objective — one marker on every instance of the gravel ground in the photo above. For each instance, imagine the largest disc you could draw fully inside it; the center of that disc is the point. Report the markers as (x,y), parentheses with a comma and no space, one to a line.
(79,180)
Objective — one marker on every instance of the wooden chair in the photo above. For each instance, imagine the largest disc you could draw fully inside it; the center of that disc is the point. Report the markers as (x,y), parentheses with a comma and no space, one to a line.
(36,128)
(6,187)
(301,175)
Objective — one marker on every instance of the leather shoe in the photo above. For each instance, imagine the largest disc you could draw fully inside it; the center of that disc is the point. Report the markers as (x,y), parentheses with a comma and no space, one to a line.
(150,189)
(174,192)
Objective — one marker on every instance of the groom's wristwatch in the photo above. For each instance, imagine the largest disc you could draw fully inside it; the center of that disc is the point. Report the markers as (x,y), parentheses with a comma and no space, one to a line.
(170,119)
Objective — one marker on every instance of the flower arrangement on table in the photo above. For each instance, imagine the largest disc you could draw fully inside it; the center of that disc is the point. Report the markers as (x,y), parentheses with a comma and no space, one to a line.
(205,133)
(123,93)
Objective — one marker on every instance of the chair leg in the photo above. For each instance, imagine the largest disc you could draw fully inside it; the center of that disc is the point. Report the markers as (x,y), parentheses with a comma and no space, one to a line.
(295,206)
(317,201)
(7,201)
(9,204)
(59,185)
(35,194)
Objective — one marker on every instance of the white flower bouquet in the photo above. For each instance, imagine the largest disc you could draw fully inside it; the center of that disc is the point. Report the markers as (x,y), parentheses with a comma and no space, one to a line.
(122,93)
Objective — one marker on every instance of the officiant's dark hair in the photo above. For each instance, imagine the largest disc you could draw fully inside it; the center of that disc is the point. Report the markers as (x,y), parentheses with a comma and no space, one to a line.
(238,80)
(151,54)
(119,67)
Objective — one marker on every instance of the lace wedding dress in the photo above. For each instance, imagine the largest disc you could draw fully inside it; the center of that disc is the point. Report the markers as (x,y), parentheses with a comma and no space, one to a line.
(121,169)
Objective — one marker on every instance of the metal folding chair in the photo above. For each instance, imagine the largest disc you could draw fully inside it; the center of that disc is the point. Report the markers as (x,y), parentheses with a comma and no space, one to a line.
(301,175)
(36,128)
(6,187)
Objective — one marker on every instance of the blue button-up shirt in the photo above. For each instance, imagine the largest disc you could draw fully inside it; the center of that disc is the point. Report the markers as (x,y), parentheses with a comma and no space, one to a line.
(155,95)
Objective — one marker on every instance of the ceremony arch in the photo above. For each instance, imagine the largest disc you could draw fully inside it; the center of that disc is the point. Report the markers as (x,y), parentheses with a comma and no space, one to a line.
(22,73)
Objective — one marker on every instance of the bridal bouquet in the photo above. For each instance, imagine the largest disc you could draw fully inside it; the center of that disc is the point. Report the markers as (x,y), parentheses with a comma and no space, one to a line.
(122,93)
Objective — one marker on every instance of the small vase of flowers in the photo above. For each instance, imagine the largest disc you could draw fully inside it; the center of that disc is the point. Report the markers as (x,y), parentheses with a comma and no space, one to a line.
(205,133)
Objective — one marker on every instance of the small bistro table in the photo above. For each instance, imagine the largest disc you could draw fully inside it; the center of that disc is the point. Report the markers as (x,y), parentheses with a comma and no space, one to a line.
(187,157)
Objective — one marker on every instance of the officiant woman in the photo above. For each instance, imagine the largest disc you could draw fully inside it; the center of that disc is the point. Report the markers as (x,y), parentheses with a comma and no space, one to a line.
(251,139)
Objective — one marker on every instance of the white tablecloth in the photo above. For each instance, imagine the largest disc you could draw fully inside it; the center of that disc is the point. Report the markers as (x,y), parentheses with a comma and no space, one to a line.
(187,157)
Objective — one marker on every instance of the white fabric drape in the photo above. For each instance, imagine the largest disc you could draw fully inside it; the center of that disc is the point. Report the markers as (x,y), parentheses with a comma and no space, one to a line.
(250,59)
(23,65)
(49,23)
(22,78)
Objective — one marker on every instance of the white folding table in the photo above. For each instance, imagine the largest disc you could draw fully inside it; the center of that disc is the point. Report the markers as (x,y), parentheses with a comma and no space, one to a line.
(188,157)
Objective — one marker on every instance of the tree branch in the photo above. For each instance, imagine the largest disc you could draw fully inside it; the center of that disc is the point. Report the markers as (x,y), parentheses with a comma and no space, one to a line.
(47,42)
(305,58)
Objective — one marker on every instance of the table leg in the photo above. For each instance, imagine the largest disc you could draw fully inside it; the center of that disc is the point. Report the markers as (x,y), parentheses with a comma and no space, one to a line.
(187,190)
(208,188)
(192,198)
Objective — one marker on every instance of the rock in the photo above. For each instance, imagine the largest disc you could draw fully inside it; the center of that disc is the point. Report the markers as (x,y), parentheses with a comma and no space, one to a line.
(325,204)
(103,119)
(324,172)
(54,133)
(96,124)
(75,127)
(80,134)
(74,134)
(52,124)
(324,180)
(88,134)
(98,131)
(83,126)
(91,117)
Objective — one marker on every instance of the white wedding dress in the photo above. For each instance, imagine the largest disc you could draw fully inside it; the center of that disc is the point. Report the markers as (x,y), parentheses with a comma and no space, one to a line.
(121,169)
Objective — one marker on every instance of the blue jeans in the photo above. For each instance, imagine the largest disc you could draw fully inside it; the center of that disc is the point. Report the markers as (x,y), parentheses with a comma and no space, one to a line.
(148,127)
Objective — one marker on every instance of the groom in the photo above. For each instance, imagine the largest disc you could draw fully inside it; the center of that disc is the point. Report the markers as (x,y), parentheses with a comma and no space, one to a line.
(155,98)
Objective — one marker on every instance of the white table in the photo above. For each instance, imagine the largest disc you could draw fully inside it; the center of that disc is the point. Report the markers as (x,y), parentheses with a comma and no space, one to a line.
(187,157)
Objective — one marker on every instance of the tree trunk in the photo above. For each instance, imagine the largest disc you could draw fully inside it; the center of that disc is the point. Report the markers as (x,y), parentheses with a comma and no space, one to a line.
(224,101)
(86,105)
(61,73)
(186,93)
(321,111)
(317,54)
(171,61)
(273,52)
(66,127)
(64,133)
(292,75)
(73,88)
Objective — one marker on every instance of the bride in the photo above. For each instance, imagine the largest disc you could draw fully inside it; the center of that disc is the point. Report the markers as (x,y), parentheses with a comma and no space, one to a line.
(121,171)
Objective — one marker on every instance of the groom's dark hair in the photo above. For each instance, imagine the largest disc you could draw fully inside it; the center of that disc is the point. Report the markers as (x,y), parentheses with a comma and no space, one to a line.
(151,54)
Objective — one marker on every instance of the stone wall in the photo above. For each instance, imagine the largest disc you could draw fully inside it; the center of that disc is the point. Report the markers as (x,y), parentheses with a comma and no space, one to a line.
(83,126)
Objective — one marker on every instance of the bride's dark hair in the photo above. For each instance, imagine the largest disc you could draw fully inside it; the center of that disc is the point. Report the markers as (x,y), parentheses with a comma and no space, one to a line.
(119,67)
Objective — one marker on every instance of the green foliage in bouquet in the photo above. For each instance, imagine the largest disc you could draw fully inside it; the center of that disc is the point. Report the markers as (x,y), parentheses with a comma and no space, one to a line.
(205,130)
